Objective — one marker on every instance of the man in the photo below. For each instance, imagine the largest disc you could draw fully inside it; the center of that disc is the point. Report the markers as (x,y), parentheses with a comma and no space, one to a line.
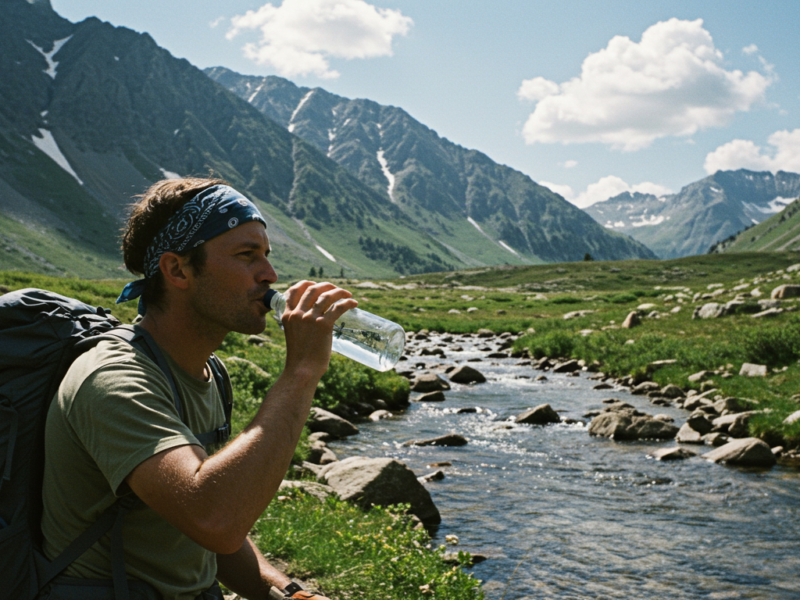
(113,429)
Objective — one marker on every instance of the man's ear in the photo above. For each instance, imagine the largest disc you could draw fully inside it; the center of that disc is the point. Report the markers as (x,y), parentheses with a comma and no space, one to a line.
(175,270)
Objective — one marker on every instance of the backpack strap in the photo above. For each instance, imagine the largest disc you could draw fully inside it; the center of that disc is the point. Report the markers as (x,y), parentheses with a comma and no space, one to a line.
(13,420)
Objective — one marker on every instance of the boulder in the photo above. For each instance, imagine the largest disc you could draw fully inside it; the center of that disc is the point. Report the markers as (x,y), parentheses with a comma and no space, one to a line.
(694,378)
(312,488)
(676,453)
(785,291)
(320,436)
(431,397)
(645,387)
(429,382)
(320,454)
(751,370)
(451,439)
(672,391)
(712,310)
(792,418)
(747,452)
(380,481)
(434,476)
(632,320)
(658,364)
(770,312)
(323,420)
(625,425)
(603,386)
(485,333)
(567,367)
(729,405)
(699,421)
(540,415)
(687,435)
(715,439)
(576,314)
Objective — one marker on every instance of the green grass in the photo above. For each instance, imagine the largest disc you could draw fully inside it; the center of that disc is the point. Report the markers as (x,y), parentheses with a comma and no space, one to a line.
(351,554)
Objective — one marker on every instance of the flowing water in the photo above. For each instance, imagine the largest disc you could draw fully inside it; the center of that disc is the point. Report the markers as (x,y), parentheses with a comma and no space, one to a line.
(561,514)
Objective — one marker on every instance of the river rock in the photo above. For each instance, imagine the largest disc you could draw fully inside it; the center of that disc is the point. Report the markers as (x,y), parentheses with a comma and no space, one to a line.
(379,415)
(729,405)
(694,378)
(632,320)
(323,420)
(485,333)
(320,436)
(792,418)
(751,370)
(700,422)
(687,435)
(645,387)
(785,291)
(747,452)
(429,382)
(451,439)
(466,374)
(312,488)
(672,391)
(435,476)
(431,397)
(603,386)
(380,481)
(715,439)
(567,367)
(541,415)
(320,454)
(676,453)
(624,425)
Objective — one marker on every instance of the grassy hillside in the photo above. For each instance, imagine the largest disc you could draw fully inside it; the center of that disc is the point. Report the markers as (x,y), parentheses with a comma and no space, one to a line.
(779,233)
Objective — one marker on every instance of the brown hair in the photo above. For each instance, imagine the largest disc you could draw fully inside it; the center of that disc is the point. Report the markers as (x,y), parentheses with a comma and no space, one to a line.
(148,216)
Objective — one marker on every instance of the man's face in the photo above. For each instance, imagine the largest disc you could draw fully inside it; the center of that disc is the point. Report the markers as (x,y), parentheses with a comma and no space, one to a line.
(227,294)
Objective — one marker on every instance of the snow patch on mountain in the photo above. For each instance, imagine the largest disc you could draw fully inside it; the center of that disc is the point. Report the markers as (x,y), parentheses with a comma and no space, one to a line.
(388,174)
(47,144)
(507,247)
(168,174)
(325,253)
(52,65)
(646,221)
(297,110)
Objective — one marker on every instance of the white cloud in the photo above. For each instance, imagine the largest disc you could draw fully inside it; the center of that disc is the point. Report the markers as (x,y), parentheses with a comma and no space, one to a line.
(751,49)
(784,155)
(605,188)
(299,36)
(569,164)
(216,22)
(671,83)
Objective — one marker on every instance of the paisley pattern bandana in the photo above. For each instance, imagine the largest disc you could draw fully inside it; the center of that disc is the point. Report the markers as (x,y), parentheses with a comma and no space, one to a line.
(212,212)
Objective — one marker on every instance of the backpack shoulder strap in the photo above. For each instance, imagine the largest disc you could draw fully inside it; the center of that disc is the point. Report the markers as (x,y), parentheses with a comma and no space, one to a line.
(142,340)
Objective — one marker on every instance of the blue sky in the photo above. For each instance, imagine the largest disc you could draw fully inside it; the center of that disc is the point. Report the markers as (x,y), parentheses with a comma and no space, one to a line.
(591,98)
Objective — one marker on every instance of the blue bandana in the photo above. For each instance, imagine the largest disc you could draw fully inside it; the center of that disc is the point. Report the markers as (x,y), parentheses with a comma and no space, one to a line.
(212,212)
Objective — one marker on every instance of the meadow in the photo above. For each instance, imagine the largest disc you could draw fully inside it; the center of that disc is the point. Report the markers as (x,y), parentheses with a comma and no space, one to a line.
(568,310)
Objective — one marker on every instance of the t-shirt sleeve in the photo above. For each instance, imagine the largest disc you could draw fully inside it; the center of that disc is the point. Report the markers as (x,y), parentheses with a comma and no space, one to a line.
(123,414)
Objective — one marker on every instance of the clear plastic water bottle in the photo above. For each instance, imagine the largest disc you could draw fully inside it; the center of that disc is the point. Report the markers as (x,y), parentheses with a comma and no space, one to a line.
(357,334)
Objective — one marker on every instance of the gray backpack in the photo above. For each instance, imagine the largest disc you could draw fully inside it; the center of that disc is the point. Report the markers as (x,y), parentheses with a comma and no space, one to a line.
(41,334)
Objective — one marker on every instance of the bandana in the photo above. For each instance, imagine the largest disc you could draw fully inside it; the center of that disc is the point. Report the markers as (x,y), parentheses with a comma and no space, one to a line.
(212,212)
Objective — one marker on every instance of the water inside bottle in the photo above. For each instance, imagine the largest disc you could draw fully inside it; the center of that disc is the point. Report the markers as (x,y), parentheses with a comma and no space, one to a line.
(366,347)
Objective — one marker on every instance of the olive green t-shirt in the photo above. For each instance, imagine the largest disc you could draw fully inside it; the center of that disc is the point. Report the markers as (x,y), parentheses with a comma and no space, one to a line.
(113,411)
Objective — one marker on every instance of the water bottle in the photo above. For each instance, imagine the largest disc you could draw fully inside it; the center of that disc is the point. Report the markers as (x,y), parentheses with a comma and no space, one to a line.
(358,334)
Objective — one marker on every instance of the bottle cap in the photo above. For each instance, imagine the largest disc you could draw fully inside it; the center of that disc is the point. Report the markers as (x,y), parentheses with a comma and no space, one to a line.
(268,298)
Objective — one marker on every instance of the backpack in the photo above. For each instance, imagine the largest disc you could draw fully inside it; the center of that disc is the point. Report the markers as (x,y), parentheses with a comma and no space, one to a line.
(41,334)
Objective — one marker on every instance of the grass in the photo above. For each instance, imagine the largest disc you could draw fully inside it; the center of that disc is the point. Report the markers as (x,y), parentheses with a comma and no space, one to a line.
(352,554)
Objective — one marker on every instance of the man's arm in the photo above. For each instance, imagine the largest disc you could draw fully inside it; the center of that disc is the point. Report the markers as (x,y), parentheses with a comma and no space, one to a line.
(248,573)
(216,500)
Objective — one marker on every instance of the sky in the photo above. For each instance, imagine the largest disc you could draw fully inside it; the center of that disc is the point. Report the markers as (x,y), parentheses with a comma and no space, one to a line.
(590,98)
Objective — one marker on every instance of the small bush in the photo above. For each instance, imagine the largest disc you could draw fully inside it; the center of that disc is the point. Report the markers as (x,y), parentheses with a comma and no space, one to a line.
(772,346)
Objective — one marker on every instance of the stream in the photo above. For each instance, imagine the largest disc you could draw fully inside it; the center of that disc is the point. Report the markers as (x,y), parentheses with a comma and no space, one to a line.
(562,514)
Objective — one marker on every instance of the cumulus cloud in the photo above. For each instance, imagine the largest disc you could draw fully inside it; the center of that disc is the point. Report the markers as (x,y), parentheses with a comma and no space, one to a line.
(783,155)
(569,164)
(300,36)
(671,83)
(605,188)
(751,49)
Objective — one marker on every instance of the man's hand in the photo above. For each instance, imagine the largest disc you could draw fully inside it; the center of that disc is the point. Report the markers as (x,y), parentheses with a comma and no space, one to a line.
(308,324)
(304,595)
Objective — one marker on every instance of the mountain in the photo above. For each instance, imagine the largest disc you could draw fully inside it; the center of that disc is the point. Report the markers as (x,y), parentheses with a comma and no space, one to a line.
(92,114)
(478,209)
(779,233)
(701,214)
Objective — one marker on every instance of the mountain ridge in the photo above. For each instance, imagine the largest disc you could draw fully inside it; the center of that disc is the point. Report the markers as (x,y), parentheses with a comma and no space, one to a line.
(701,213)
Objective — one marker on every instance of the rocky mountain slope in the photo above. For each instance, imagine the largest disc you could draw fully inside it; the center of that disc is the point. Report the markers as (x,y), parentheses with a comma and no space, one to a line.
(701,214)
(474,206)
(91,114)
(778,233)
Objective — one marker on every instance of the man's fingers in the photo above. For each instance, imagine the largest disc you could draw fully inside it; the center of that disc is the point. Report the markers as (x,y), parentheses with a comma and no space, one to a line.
(320,297)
